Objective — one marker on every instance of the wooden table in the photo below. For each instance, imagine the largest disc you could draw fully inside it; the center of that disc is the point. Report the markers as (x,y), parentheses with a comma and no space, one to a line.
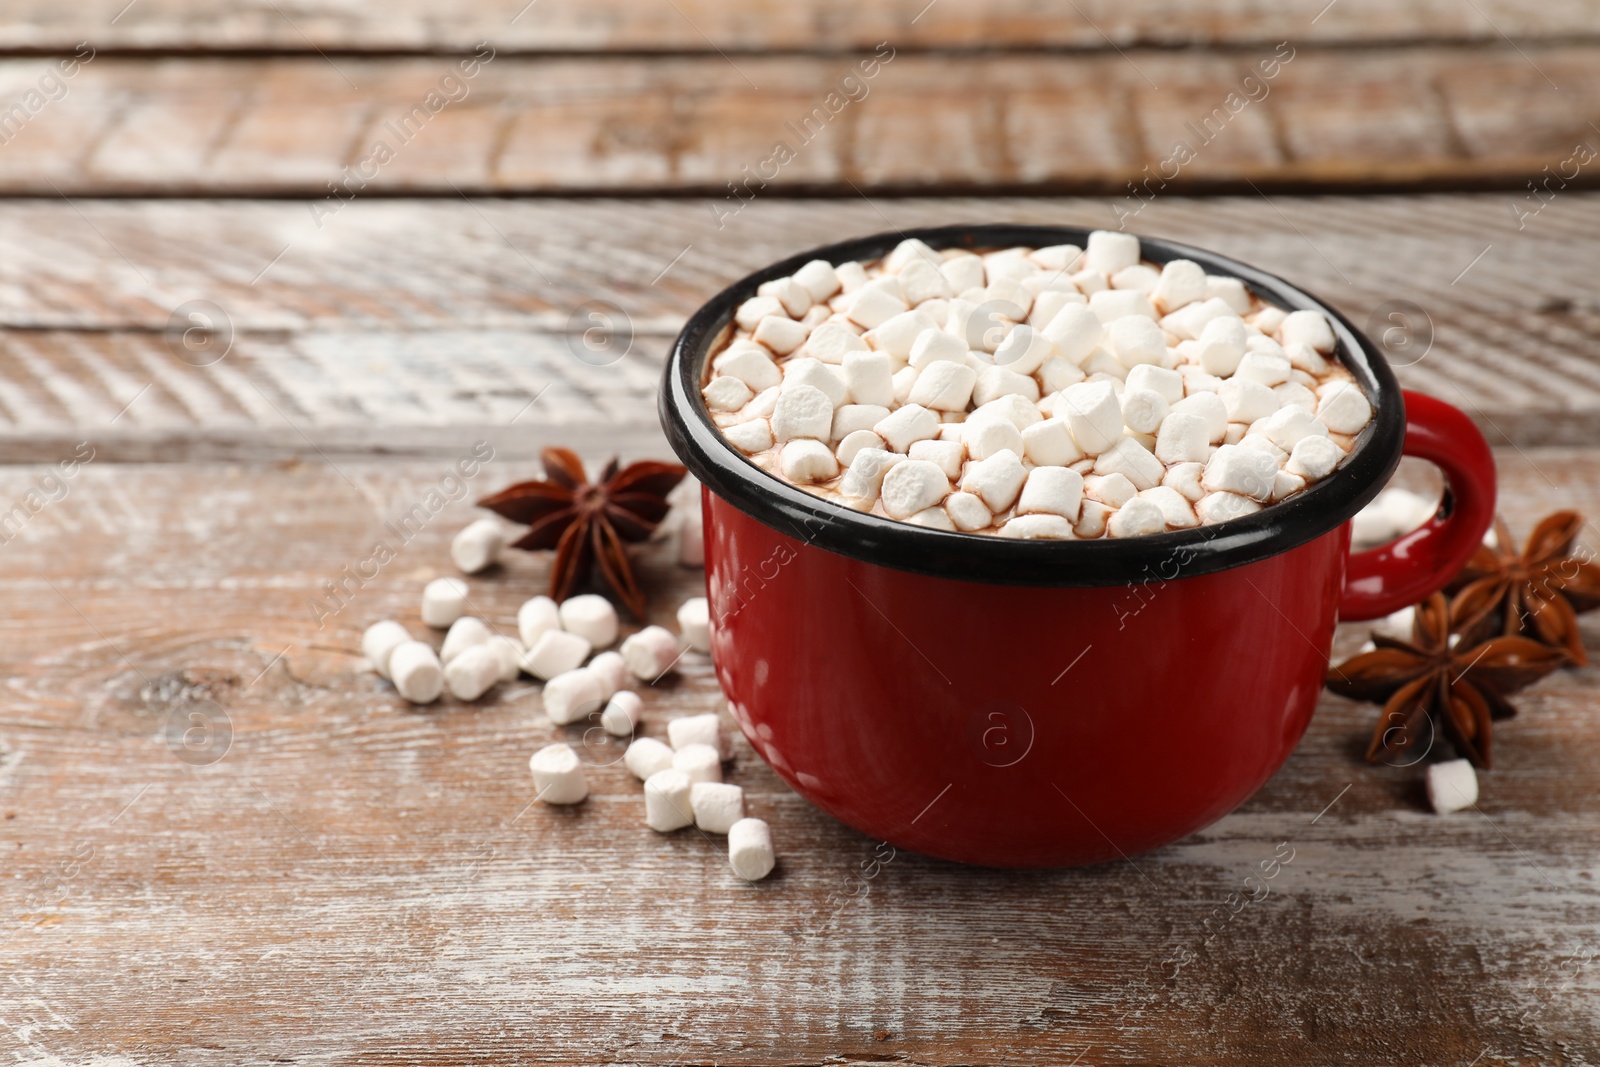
(356,880)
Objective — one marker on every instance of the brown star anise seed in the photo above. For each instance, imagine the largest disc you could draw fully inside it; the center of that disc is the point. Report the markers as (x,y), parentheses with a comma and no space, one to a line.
(589,522)
(1538,592)
(1457,688)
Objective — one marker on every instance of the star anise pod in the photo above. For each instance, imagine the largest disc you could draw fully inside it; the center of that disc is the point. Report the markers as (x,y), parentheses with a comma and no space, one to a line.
(1538,592)
(589,522)
(1427,682)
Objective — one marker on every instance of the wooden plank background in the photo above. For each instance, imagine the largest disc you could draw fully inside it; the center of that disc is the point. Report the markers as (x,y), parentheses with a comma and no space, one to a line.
(1415,114)
(360,881)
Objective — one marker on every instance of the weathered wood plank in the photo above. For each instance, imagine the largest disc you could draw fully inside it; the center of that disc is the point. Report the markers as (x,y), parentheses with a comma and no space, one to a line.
(1073,122)
(825,25)
(358,880)
(409,327)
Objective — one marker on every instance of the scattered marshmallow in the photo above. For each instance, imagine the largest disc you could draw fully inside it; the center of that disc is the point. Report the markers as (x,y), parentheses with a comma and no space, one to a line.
(701,763)
(417,673)
(508,652)
(535,618)
(694,622)
(558,775)
(646,756)
(1452,786)
(477,547)
(621,714)
(592,617)
(555,652)
(716,805)
(572,696)
(379,642)
(472,672)
(444,600)
(750,849)
(703,729)
(667,804)
(466,632)
(650,653)
(612,671)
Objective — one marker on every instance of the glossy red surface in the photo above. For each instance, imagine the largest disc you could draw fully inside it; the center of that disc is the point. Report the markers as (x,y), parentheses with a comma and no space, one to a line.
(1406,570)
(1031,727)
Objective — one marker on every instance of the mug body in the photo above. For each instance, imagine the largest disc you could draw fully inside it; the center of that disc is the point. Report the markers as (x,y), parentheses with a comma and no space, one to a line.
(1017,726)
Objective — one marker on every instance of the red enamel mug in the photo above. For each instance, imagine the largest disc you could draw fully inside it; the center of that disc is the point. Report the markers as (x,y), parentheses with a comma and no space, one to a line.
(1049,703)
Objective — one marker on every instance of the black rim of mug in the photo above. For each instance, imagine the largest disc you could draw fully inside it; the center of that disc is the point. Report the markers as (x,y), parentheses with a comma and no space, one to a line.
(987,558)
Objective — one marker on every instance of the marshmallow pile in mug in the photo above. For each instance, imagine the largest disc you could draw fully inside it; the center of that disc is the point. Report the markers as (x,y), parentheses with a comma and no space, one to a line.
(1049,392)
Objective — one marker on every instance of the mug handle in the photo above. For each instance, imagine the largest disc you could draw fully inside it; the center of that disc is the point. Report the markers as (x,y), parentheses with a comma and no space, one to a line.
(1415,565)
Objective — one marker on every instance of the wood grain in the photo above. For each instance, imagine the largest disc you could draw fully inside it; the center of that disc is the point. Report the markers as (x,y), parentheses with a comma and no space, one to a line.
(357,880)
(824,25)
(406,327)
(1076,122)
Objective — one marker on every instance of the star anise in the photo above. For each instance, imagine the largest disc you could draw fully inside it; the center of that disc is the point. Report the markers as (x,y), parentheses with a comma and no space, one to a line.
(1538,592)
(1428,683)
(589,522)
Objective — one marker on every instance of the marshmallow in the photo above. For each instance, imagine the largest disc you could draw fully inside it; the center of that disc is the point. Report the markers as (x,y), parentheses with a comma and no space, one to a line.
(1047,303)
(997,479)
(558,775)
(694,622)
(869,376)
(1185,478)
(750,364)
(1017,410)
(1211,409)
(1090,281)
(702,729)
(1220,507)
(780,334)
(1113,490)
(555,652)
(1092,519)
(1295,395)
(852,276)
(1247,401)
(947,455)
(1263,367)
(1285,484)
(1222,346)
(853,443)
(750,437)
(573,695)
(1024,350)
(379,642)
(1342,408)
(1268,319)
(417,673)
(1093,412)
(464,633)
(612,672)
(1052,490)
(477,547)
(962,272)
(898,334)
(1452,786)
(1055,374)
(906,425)
(943,386)
(591,617)
(1049,443)
(1136,340)
(1143,410)
(1175,509)
(921,280)
(908,251)
(1245,471)
(650,653)
(819,279)
(1138,276)
(750,849)
(535,617)
(912,486)
(1111,250)
(752,311)
(1287,426)
(1189,321)
(666,800)
(645,757)
(716,805)
(873,307)
(830,342)
(444,600)
(1307,328)
(472,672)
(1132,460)
(507,651)
(1313,458)
(1075,331)
(937,346)
(701,763)
(726,393)
(1182,281)
(1168,383)
(1037,527)
(1182,438)
(802,412)
(621,714)
(1230,291)
(967,512)
(1057,257)
(864,480)
(805,460)
(1113,304)
(816,374)
(990,435)
(1137,518)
